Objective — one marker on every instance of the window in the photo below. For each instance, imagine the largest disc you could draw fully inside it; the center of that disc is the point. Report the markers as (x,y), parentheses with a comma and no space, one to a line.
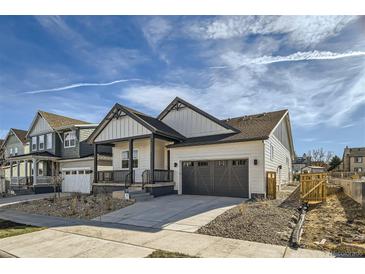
(67,172)
(70,139)
(88,171)
(202,163)
(188,164)
(358,159)
(125,159)
(73,172)
(221,163)
(34,143)
(41,142)
(15,150)
(238,162)
(271,152)
(49,141)
(81,172)
(358,169)
(11,151)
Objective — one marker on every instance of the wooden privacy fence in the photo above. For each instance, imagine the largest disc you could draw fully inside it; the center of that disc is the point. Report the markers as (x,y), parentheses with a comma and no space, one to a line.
(313,187)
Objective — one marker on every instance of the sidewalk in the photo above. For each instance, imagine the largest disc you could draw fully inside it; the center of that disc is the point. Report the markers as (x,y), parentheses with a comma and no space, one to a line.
(80,238)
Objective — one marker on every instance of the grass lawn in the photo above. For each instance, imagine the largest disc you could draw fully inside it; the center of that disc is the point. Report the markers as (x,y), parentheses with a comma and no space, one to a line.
(8,229)
(168,254)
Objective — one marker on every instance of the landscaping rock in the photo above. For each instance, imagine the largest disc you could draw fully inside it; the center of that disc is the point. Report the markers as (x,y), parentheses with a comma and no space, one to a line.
(76,206)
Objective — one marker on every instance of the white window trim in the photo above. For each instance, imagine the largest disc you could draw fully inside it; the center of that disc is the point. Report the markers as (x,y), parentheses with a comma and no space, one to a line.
(49,144)
(64,139)
(124,168)
(271,152)
(39,143)
(11,151)
(15,150)
(34,143)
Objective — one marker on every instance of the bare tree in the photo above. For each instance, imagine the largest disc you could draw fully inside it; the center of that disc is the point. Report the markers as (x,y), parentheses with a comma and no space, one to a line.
(57,183)
(320,155)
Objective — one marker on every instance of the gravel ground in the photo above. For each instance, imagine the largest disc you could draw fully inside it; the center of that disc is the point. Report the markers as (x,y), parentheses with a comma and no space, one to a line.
(266,221)
(76,206)
(334,225)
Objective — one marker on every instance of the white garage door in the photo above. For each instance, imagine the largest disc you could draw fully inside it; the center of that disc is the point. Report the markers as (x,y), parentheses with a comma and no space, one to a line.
(76,180)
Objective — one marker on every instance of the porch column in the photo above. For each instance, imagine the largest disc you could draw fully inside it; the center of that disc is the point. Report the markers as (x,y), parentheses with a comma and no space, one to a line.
(152,159)
(26,170)
(11,170)
(130,161)
(34,171)
(17,171)
(95,163)
(168,165)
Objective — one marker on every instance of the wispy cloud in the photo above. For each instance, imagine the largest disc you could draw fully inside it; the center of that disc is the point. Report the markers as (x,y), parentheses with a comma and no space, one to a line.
(300,30)
(77,85)
(237,60)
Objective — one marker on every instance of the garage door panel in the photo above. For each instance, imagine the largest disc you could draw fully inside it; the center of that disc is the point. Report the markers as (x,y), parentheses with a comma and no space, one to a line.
(77,180)
(218,178)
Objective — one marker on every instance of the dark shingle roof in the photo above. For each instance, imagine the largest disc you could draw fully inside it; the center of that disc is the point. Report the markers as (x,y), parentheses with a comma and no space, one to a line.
(356,151)
(21,134)
(160,126)
(59,121)
(251,127)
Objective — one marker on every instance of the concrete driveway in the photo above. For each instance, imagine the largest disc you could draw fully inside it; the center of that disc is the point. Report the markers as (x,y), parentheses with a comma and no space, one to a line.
(174,212)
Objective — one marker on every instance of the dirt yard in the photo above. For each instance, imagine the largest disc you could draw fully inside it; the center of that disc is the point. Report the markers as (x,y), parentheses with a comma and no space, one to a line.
(336,225)
(266,221)
(76,206)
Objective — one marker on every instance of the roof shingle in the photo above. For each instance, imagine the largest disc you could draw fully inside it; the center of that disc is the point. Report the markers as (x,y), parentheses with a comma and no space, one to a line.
(251,127)
(21,134)
(58,121)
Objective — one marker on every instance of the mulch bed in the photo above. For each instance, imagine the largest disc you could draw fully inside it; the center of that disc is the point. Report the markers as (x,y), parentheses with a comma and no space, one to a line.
(265,221)
(337,225)
(76,206)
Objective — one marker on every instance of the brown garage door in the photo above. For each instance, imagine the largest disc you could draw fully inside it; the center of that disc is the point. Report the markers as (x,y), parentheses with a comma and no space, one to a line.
(216,178)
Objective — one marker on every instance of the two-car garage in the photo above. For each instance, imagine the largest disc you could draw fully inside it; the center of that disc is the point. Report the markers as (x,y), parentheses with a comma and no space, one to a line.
(216,177)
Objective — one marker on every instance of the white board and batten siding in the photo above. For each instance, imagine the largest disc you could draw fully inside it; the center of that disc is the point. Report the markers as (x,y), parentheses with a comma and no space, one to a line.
(122,127)
(192,124)
(279,142)
(243,150)
(40,126)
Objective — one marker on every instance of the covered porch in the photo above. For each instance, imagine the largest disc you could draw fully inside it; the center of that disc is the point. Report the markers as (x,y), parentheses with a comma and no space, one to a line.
(31,171)
(138,161)
(140,154)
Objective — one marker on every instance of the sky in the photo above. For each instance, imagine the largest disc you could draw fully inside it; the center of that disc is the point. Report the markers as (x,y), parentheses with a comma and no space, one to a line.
(229,66)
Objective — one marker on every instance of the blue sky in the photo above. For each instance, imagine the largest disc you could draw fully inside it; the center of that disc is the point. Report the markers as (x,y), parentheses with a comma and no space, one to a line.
(227,65)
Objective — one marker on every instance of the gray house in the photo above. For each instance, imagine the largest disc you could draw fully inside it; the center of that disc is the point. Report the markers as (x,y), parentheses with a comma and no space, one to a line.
(58,146)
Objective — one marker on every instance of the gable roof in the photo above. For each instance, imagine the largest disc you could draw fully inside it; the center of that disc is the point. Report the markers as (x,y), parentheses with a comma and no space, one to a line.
(151,123)
(55,121)
(19,133)
(196,109)
(251,127)
(355,151)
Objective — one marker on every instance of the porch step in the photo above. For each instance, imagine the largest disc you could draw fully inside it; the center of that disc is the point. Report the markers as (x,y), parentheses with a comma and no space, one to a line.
(22,191)
(140,195)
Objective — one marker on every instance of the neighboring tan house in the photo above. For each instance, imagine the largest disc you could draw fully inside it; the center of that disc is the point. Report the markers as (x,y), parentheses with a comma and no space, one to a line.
(14,144)
(313,169)
(300,162)
(353,159)
(58,146)
(192,152)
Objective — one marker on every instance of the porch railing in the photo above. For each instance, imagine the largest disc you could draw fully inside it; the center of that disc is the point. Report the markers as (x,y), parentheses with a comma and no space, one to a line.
(160,175)
(115,176)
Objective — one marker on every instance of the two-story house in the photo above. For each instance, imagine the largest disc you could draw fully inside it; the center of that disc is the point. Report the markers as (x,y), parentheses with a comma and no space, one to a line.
(58,147)
(14,144)
(353,159)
